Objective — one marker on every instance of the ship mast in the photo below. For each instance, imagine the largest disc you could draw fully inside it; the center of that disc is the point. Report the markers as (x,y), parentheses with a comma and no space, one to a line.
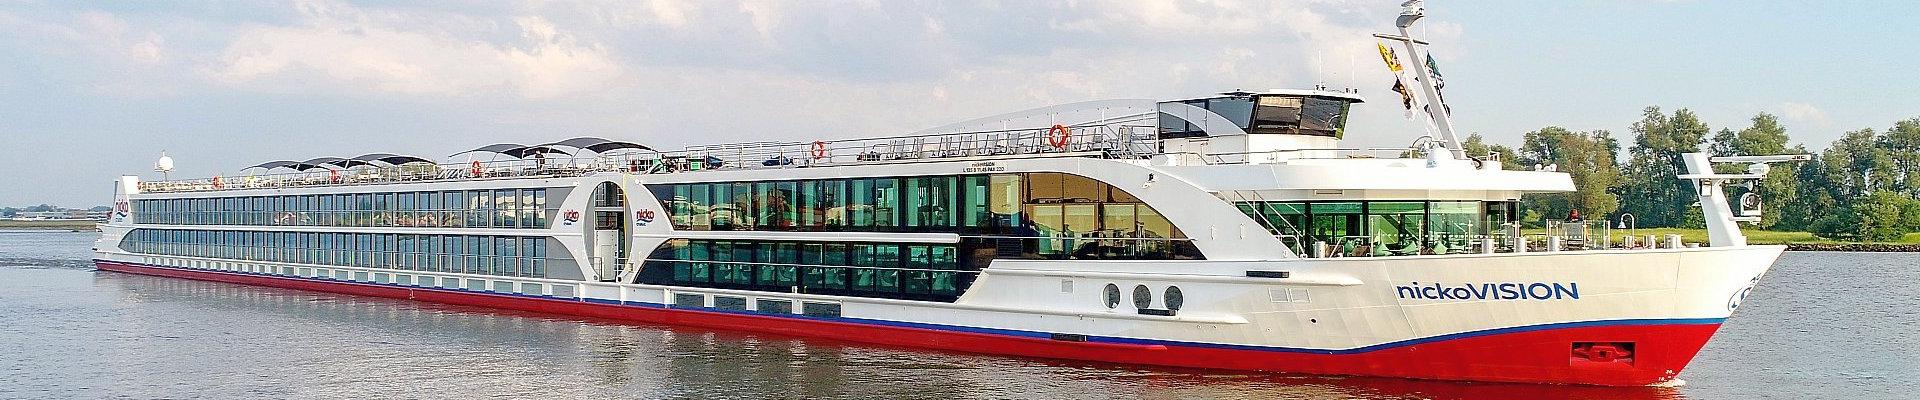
(1412,11)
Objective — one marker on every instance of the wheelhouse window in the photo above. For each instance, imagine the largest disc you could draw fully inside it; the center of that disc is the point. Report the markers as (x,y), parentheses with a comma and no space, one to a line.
(1299,115)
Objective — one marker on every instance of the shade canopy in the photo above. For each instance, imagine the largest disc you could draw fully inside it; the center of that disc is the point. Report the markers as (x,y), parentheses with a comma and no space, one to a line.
(276,164)
(598,145)
(390,159)
(514,150)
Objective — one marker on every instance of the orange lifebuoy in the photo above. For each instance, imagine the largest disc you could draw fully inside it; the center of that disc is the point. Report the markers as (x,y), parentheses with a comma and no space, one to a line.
(1058,136)
(476,168)
(216,182)
(819,149)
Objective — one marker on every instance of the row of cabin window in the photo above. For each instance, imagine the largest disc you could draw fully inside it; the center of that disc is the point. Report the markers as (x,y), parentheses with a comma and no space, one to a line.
(502,208)
(1383,227)
(471,254)
(910,271)
(1029,205)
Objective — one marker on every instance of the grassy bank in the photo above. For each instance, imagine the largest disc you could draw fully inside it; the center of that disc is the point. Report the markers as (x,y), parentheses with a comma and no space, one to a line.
(1754,236)
(48,224)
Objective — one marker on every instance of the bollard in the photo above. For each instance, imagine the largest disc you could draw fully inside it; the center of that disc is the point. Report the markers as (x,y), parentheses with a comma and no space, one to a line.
(1486,246)
(1673,241)
(1652,243)
(1553,243)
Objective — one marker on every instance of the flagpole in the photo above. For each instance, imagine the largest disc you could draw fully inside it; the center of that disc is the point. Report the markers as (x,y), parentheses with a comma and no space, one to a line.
(1441,120)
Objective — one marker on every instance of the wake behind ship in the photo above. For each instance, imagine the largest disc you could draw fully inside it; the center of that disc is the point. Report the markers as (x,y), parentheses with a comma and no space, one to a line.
(1224,232)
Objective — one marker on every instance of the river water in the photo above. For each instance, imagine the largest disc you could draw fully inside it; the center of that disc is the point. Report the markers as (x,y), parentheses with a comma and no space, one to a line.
(1821,325)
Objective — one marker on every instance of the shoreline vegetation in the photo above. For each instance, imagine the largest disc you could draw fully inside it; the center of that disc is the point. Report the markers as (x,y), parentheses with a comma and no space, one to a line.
(1795,241)
(51,225)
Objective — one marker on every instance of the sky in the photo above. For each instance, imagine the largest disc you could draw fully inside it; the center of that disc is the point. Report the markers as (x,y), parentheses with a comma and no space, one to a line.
(93,90)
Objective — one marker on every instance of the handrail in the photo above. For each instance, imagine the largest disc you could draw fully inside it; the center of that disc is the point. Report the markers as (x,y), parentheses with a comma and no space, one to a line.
(1105,141)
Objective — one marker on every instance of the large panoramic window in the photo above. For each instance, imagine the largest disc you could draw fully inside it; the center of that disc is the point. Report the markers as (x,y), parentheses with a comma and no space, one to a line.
(473,254)
(1033,215)
(911,271)
(501,208)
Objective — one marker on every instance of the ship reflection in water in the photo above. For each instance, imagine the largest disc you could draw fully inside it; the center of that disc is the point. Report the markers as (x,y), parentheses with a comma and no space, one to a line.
(375,346)
(68,331)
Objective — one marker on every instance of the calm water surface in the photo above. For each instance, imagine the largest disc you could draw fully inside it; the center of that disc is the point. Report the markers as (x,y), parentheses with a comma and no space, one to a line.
(1822,325)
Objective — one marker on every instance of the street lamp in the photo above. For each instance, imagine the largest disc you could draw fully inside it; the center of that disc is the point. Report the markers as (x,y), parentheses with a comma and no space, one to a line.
(1630,223)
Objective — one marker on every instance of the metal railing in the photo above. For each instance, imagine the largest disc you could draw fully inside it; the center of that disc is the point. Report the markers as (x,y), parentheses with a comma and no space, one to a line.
(1117,141)
(1556,237)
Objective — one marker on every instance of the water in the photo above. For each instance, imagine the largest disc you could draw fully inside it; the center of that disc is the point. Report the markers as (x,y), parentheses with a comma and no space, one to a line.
(1822,325)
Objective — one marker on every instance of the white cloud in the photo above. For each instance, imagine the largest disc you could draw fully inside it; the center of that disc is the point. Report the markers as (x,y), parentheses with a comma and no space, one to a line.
(1805,113)
(336,47)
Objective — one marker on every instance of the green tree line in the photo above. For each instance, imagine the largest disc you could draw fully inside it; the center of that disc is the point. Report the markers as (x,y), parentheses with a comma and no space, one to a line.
(1865,186)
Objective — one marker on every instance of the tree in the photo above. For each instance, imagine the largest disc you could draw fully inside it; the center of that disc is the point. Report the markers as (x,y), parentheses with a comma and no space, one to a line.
(1650,187)
(1901,147)
(1476,146)
(1881,215)
(1589,158)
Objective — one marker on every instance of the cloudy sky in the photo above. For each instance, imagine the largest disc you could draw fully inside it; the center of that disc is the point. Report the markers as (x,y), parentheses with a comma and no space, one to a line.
(92,90)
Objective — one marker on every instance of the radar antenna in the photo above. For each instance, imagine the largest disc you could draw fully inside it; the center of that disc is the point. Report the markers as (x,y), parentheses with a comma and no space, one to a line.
(164,166)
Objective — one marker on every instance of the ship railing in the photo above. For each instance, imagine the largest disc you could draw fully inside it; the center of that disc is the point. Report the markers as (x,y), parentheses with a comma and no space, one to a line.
(370,175)
(1558,236)
(1103,141)
(1273,156)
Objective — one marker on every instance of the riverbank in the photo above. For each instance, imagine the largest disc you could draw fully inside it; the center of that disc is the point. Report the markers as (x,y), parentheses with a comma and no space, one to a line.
(51,224)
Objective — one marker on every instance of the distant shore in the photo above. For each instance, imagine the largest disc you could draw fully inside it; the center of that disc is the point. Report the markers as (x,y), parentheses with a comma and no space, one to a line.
(51,225)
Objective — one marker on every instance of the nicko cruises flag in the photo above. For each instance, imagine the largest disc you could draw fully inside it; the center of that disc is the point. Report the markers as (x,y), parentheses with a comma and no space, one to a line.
(1399,78)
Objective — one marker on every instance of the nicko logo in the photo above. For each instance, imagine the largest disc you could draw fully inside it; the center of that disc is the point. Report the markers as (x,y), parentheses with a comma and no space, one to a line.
(1490,291)
(570,216)
(642,217)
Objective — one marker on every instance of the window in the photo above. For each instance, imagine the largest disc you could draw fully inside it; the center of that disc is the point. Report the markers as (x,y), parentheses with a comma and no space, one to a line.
(1057,215)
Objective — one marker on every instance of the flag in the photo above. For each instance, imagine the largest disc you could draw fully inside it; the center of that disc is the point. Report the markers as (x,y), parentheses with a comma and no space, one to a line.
(1386,54)
(1406,96)
(1434,69)
(1399,77)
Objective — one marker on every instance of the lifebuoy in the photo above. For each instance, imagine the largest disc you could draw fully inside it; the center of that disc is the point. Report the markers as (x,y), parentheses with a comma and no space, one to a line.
(216,182)
(819,150)
(1058,136)
(334,174)
(476,168)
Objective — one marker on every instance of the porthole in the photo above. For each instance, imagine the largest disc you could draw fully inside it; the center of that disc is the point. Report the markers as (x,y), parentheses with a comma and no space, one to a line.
(1113,295)
(1142,297)
(1174,298)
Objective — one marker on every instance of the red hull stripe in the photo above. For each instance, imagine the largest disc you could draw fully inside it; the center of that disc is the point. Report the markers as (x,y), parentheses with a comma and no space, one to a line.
(1535,353)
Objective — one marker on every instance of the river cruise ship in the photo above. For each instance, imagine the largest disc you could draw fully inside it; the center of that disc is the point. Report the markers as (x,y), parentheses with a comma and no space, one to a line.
(1230,231)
